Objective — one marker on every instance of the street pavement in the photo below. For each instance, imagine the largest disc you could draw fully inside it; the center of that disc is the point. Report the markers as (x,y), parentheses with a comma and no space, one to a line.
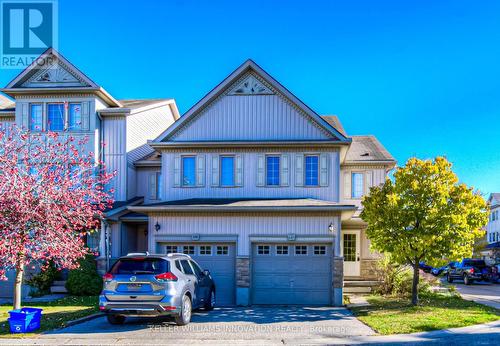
(481,292)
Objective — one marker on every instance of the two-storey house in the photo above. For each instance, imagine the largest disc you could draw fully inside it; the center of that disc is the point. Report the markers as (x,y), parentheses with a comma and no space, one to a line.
(492,250)
(251,182)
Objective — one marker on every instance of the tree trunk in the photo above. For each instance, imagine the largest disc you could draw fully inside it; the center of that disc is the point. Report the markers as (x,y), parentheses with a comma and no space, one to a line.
(18,284)
(414,287)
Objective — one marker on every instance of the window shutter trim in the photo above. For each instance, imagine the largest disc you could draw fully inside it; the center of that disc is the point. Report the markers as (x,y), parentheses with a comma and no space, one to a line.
(200,170)
(285,170)
(85,115)
(323,169)
(25,115)
(152,186)
(215,170)
(238,178)
(261,170)
(368,182)
(347,185)
(299,170)
(177,171)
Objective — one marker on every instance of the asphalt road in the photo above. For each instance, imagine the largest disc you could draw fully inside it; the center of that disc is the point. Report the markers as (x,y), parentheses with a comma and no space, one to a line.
(481,292)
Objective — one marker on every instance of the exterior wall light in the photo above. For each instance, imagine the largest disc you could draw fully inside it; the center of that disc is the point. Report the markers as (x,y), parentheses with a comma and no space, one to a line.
(157,226)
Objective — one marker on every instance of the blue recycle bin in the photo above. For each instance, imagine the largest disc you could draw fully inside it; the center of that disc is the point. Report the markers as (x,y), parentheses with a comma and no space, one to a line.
(24,320)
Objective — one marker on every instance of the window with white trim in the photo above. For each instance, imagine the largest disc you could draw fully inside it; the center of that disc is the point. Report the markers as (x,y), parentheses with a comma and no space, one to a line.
(171,249)
(75,116)
(55,116)
(319,249)
(263,249)
(36,117)
(205,250)
(281,249)
(301,249)
(188,171)
(188,249)
(357,185)
(227,171)
(272,170)
(222,250)
(311,170)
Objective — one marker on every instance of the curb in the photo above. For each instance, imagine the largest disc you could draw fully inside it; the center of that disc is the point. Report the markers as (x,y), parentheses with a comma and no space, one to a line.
(75,322)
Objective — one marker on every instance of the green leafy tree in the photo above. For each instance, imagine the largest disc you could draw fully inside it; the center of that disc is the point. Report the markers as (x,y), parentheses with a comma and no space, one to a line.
(425,214)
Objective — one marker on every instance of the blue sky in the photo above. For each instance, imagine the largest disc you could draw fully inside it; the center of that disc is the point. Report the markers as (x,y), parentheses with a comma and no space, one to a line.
(422,76)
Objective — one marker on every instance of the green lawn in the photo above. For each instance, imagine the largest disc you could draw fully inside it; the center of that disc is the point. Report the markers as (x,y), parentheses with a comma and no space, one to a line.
(387,315)
(55,314)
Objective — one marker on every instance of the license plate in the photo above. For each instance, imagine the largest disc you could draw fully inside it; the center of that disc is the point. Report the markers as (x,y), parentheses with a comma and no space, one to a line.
(134,287)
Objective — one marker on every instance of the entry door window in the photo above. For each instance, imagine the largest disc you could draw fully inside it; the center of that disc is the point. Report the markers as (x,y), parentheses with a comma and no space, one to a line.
(349,247)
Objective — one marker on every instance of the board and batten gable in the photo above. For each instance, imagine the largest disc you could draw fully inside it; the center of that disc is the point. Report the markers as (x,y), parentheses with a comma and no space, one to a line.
(250,117)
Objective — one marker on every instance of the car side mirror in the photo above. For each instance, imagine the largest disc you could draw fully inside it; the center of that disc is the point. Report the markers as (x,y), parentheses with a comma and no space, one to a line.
(206,272)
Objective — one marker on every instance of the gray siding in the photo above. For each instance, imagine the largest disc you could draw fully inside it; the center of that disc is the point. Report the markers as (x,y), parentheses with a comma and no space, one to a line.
(264,117)
(242,225)
(249,187)
(374,173)
(114,154)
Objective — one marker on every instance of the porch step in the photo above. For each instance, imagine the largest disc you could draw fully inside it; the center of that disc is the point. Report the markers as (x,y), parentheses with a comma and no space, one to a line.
(59,283)
(58,287)
(358,289)
(360,283)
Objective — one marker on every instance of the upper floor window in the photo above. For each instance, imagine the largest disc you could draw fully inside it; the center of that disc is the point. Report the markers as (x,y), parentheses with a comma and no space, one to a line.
(227,171)
(273,170)
(357,185)
(188,171)
(36,117)
(75,116)
(55,116)
(312,170)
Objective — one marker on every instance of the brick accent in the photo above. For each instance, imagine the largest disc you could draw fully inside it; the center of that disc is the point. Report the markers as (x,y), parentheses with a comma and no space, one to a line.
(243,272)
(338,272)
(368,268)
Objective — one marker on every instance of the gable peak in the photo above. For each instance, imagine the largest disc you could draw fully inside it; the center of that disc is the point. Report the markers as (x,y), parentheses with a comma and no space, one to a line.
(250,85)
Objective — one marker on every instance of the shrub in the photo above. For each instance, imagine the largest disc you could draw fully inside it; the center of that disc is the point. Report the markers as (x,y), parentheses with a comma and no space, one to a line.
(397,280)
(41,282)
(84,281)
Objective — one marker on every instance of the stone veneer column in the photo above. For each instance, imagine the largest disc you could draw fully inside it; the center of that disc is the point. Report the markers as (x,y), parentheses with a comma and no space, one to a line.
(242,281)
(338,280)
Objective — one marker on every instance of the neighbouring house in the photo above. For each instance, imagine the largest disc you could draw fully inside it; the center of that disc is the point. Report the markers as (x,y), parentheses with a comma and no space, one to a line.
(492,249)
(250,181)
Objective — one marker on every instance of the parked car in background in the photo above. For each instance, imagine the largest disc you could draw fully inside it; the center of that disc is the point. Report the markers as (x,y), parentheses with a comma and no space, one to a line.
(444,269)
(426,268)
(156,285)
(469,270)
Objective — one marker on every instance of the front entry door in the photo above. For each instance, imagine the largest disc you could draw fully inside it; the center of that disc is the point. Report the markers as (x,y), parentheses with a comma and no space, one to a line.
(351,252)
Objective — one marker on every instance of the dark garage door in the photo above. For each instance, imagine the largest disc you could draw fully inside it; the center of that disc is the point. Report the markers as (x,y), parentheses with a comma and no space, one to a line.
(219,258)
(298,274)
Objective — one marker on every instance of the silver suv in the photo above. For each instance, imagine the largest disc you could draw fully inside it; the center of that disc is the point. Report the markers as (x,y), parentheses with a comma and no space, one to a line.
(141,284)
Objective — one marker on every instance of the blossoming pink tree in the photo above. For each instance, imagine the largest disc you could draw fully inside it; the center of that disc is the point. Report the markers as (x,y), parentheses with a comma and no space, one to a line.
(51,194)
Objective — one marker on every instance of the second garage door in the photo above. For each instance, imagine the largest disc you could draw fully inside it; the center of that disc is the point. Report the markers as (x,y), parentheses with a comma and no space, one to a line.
(298,274)
(219,259)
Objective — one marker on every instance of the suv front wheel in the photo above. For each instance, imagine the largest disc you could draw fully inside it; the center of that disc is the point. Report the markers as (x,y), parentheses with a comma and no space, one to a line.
(449,278)
(186,309)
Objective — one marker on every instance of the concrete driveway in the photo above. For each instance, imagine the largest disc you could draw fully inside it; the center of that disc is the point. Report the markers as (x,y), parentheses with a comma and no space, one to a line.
(255,325)
(481,292)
